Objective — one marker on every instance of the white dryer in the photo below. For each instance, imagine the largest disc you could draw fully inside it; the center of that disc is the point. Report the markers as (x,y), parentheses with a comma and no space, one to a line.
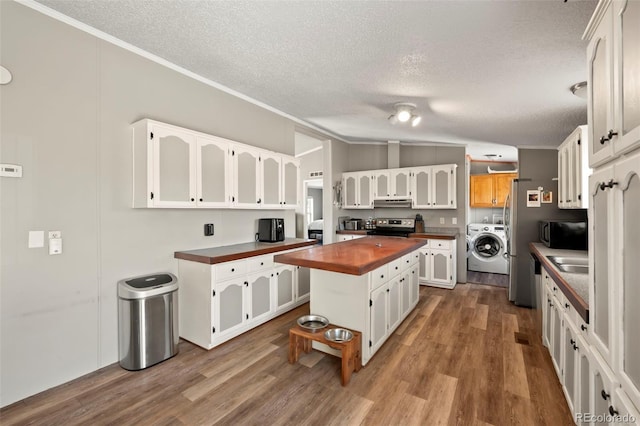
(488,244)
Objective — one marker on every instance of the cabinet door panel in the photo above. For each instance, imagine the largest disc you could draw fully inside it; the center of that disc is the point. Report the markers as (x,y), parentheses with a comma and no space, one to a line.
(481,190)
(350,183)
(400,183)
(600,90)
(246,177)
(569,365)
(270,181)
(394,303)
(284,287)
(304,282)
(415,286)
(378,317)
(627,23)
(381,184)
(405,286)
(422,188)
(230,305)
(259,295)
(627,174)
(600,276)
(213,173)
(440,266)
(503,187)
(365,191)
(290,170)
(174,155)
(424,265)
(442,187)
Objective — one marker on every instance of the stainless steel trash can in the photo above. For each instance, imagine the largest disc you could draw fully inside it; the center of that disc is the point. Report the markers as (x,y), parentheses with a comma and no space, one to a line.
(147,320)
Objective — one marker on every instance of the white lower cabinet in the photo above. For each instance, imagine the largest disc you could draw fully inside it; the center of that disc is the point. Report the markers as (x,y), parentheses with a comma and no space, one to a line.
(438,263)
(348,237)
(221,301)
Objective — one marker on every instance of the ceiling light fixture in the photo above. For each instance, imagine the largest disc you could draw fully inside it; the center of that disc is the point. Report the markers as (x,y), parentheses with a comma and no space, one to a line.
(579,89)
(404,113)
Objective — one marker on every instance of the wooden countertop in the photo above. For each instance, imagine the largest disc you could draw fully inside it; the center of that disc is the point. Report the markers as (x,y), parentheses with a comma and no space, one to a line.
(574,286)
(355,257)
(221,254)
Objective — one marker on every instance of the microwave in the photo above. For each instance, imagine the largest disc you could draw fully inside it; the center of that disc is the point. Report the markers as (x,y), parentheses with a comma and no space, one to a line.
(271,230)
(560,234)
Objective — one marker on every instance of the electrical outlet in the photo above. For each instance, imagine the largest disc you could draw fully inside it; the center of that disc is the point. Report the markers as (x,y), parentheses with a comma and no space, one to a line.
(454,220)
(442,221)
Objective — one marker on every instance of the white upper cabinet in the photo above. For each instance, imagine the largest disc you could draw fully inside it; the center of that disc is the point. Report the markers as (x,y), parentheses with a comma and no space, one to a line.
(246,176)
(573,171)
(270,181)
(434,187)
(213,172)
(429,187)
(290,179)
(175,167)
(164,166)
(613,84)
(400,180)
(357,190)
(382,185)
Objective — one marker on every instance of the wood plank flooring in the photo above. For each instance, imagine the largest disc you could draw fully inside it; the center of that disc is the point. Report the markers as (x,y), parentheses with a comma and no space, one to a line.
(487,278)
(455,361)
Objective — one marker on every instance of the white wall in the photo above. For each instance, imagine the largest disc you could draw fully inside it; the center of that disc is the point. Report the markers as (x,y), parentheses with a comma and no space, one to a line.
(65,118)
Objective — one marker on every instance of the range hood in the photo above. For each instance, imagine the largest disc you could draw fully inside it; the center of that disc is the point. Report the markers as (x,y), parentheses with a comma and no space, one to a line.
(392,202)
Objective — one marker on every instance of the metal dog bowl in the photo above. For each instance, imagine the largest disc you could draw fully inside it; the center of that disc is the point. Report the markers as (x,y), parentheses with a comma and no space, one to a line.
(313,322)
(338,335)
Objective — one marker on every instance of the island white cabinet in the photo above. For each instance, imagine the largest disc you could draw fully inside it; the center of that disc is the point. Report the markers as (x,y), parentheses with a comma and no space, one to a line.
(174,167)
(573,171)
(348,237)
(221,301)
(371,303)
(438,263)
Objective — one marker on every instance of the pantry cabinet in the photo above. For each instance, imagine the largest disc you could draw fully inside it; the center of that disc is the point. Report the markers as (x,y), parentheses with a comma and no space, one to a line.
(174,167)
(573,170)
(614,88)
(490,190)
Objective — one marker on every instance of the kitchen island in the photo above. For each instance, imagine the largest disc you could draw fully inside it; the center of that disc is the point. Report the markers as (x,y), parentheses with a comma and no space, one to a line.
(369,284)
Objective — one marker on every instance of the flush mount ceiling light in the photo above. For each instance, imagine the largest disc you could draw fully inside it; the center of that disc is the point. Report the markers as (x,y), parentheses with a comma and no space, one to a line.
(404,113)
(579,89)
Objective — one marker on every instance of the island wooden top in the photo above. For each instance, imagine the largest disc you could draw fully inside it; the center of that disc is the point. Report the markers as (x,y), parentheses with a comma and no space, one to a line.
(221,254)
(355,257)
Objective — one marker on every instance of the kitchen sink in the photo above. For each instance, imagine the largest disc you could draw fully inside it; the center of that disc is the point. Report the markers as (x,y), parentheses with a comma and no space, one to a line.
(576,265)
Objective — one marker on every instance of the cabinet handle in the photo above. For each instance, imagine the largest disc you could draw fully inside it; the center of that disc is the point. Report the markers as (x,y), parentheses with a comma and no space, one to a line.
(603,139)
(609,184)
(613,411)
(261,263)
(566,305)
(611,133)
(381,276)
(233,269)
(575,348)
(573,342)
(583,327)
(193,199)
(246,283)
(259,200)
(604,395)
(200,199)
(568,201)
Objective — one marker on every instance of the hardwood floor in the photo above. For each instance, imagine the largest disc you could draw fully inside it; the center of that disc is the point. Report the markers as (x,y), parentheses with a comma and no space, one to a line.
(499,280)
(455,360)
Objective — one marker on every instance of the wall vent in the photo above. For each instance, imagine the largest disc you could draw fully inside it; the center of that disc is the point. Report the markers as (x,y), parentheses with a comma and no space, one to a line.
(315,174)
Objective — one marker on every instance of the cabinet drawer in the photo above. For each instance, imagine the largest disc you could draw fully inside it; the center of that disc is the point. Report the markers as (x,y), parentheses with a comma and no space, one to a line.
(379,276)
(259,263)
(440,244)
(395,267)
(407,260)
(230,269)
(415,257)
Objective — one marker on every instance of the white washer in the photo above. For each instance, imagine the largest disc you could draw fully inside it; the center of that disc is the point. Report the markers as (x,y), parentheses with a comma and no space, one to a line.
(487,248)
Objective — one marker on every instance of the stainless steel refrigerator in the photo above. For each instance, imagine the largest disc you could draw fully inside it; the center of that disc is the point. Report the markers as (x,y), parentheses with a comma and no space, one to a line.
(521,226)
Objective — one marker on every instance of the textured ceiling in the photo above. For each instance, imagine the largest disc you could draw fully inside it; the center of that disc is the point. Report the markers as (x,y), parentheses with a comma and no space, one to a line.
(479,71)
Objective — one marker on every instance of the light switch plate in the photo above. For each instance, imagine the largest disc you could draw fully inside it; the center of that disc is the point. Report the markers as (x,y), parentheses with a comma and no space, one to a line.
(442,221)
(454,220)
(55,246)
(10,170)
(36,239)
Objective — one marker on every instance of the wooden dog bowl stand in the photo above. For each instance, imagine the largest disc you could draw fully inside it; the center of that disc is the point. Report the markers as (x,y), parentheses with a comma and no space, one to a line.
(300,340)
